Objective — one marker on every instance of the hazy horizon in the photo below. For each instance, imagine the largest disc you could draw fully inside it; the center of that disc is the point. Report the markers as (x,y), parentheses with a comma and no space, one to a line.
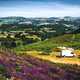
(39,8)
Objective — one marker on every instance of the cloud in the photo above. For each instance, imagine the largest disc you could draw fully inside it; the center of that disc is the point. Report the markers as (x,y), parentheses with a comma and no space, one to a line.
(41,10)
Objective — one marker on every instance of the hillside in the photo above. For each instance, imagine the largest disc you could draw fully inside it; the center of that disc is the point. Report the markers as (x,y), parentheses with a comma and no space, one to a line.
(68,40)
(26,67)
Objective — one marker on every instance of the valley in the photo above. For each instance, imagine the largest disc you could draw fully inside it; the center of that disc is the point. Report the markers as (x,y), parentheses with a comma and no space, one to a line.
(32,45)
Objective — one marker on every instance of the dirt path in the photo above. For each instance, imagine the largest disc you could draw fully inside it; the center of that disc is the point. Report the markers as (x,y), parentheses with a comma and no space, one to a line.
(61,60)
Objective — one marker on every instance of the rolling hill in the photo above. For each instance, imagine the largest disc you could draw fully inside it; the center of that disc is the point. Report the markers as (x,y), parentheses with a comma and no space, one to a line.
(68,40)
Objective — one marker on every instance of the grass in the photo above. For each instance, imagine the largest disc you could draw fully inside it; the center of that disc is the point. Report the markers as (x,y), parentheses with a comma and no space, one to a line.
(53,58)
(47,45)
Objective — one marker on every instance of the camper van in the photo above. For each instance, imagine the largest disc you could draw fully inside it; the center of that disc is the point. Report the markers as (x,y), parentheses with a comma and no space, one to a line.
(67,53)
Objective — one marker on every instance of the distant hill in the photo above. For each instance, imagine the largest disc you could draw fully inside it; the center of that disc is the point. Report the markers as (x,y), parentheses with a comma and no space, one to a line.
(59,25)
(11,20)
(77,31)
(40,20)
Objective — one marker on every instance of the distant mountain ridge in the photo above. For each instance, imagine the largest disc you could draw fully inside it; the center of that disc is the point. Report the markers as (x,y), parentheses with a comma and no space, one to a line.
(69,24)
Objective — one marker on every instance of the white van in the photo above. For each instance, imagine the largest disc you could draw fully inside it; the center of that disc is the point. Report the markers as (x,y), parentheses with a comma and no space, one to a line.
(67,53)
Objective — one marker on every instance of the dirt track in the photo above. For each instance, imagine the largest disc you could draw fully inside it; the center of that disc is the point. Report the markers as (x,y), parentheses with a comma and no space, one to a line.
(61,60)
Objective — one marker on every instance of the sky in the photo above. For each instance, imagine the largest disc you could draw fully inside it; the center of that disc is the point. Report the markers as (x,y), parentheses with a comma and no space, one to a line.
(40,8)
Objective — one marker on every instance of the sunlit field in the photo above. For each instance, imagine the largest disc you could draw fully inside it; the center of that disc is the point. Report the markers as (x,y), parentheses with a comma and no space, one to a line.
(53,57)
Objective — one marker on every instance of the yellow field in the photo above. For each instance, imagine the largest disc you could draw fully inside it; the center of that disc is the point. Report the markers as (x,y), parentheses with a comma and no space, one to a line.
(52,58)
(61,60)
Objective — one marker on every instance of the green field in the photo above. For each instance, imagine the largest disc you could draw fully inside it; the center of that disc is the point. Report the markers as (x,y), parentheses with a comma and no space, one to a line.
(68,40)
